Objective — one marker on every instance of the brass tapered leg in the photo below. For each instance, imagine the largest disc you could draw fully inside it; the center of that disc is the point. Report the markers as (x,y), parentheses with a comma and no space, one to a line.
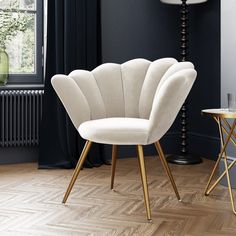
(113,164)
(144,180)
(167,168)
(77,169)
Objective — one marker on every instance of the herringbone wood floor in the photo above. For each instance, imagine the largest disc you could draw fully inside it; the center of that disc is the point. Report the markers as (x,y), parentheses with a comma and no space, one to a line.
(30,202)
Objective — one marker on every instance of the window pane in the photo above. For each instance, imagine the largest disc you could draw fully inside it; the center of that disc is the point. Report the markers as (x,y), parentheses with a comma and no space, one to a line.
(27,4)
(23,4)
(22,38)
(21,50)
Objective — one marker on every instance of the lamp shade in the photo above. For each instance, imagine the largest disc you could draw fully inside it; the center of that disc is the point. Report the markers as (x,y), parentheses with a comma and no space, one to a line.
(179,2)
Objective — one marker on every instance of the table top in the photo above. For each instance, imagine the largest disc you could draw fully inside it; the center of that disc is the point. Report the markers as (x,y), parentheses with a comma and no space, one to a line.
(220,112)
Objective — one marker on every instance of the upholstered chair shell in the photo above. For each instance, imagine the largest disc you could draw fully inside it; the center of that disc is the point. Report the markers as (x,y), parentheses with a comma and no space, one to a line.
(134,103)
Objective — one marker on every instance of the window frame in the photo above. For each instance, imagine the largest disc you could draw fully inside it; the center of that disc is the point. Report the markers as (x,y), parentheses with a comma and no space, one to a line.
(37,77)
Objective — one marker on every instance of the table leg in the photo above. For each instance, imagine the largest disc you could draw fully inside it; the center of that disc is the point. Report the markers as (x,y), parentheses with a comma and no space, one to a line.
(229,127)
(220,178)
(229,186)
(206,192)
(223,153)
(226,163)
(227,132)
(223,148)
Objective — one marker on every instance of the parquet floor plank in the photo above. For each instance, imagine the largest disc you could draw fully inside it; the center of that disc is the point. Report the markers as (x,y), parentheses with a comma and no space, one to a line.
(30,202)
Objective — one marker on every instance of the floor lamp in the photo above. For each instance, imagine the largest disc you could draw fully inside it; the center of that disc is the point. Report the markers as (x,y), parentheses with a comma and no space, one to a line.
(184,158)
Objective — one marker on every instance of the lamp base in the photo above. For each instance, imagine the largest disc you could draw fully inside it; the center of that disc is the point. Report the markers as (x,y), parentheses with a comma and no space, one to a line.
(183,159)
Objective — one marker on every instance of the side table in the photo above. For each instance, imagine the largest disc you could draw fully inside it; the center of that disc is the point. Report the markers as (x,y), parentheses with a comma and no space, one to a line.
(221,116)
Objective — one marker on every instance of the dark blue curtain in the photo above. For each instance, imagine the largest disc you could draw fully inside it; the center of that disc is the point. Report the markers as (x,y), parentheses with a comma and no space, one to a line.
(73,42)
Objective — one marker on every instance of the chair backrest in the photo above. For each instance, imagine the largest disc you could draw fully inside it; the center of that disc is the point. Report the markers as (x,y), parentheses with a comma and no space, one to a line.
(114,90)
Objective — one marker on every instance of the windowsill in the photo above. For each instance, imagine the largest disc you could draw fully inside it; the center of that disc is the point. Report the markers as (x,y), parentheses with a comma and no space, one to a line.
(22,86)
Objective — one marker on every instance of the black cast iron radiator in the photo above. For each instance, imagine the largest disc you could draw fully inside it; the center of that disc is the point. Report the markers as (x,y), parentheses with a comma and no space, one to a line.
(20,115)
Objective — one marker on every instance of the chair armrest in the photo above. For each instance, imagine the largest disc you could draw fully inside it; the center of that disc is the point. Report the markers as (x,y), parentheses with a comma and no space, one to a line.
(167,102)
(72,98)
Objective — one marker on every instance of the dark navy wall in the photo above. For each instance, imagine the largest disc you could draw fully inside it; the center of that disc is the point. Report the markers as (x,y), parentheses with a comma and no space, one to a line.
(150,29)
(205,54)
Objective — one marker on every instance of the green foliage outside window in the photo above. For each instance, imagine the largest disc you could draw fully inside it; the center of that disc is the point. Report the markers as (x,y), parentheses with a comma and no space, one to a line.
(17,34)
(11,21)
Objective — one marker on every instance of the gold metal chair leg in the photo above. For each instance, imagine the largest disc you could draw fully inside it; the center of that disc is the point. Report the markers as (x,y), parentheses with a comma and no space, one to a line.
(167,168)
(144,180)
(113,164)
(77,169)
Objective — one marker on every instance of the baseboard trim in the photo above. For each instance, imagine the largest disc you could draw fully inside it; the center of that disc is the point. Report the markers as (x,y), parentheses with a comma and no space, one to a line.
(204,145)
(14,155)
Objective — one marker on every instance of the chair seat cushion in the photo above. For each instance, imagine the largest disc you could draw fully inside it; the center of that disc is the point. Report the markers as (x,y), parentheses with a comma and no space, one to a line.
(120,131)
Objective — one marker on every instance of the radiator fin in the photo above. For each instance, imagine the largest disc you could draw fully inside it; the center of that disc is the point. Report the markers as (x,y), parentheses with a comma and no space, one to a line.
(21,112)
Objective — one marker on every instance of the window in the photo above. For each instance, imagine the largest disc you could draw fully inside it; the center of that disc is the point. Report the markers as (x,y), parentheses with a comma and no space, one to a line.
(25,48)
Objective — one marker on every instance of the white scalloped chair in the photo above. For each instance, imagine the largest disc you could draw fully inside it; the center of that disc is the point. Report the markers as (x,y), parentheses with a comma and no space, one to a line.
(134,103)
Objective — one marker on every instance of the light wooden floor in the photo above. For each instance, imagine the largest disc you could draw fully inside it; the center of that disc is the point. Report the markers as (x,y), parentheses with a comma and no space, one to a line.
(30,202)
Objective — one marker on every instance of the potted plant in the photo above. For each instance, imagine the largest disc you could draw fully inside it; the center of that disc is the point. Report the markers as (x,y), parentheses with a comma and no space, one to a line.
(12,20)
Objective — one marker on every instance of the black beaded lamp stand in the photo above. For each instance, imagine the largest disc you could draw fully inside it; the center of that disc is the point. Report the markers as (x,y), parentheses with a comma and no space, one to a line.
(184,158)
